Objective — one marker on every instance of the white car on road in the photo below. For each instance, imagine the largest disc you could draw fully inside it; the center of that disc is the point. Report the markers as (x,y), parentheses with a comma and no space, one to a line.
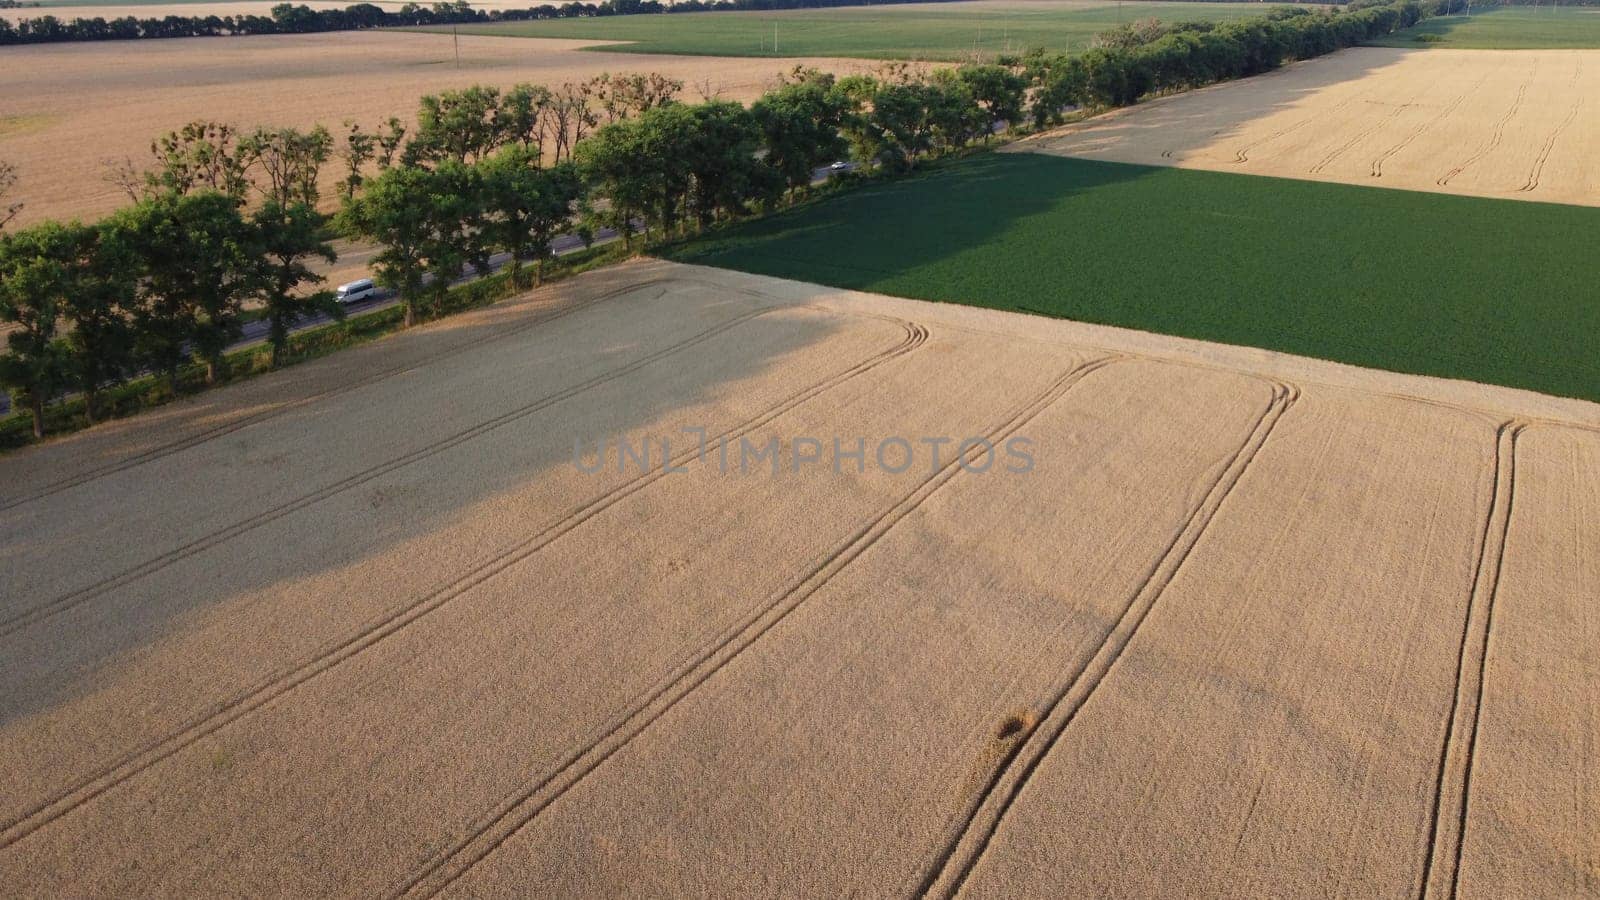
(356,291)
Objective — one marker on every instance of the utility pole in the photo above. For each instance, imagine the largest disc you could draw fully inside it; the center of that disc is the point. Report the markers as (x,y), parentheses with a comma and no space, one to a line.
(455,36)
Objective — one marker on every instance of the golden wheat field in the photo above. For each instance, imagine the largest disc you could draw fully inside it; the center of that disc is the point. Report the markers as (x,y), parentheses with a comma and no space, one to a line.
(68,109)
(1243,624)
(1521,124)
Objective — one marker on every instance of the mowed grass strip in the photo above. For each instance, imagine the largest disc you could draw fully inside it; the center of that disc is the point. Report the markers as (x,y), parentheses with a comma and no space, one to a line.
(932,31)
(1506,28)
(1496,291)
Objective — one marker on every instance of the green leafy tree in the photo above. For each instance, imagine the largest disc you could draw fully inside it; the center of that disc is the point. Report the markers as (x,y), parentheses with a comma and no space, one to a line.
(428,223)
(954,113)
(636,171)
(801,127)
(1058,82)
(521,118)
(290,236)
(34,280)
(527,206)
(456,125)
(98,304)
(900,115)
(858,129)
(998,90)
(200,261)
(718,147)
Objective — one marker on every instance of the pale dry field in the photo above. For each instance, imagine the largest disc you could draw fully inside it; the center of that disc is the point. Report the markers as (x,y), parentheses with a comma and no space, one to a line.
(1490,123)
(68,108)
(264,7)
(1253,624)
(110,11)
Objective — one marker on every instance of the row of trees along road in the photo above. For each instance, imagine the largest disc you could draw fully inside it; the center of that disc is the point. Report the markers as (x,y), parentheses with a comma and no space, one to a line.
(221,218)
(156,284)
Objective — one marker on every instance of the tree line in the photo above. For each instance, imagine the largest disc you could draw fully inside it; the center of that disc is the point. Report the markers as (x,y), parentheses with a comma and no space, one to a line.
(1151,57)
(288,18)
(222,220)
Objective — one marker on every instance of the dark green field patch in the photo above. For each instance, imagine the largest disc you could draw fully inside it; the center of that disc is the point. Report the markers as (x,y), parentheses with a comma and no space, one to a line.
(1496,291)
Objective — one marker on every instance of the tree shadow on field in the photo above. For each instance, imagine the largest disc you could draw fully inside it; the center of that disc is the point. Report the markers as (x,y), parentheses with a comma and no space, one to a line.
(946,233)
(1429,283)
(186,580)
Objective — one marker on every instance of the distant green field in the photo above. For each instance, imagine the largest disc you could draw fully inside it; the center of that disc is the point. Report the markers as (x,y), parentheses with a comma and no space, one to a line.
(1507,28)
(1497,291)
(923,31)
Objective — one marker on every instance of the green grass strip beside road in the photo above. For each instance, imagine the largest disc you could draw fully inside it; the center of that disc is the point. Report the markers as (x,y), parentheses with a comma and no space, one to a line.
(1495,291)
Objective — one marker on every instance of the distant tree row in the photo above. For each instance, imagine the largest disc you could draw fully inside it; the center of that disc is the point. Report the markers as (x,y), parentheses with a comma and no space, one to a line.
(1148,57)
(287,18)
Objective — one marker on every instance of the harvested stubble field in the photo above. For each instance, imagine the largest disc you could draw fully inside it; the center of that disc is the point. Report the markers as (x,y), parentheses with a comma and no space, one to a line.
(1251,624)
(1514,124)
(68,108)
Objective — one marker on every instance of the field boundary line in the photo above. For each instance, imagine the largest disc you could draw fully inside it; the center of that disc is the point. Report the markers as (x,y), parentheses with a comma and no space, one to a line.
(281,683)
(226,429)
(969,835)
(1448,823)
(520,808)
(244,526)
(1179,357)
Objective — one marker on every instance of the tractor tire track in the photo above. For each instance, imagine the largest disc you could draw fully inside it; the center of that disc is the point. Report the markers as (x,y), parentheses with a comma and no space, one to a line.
(244,526)
(520,808)
(1441,861)
(1380,159)
(1537,170)
(1242,155)
(1360,136)
(284,681)
(969,836)
(228,428)
(1495,136)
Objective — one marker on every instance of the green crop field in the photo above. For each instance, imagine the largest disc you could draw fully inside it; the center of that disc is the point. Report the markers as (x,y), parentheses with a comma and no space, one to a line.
(1496,291)
(923,31)
(1506,28)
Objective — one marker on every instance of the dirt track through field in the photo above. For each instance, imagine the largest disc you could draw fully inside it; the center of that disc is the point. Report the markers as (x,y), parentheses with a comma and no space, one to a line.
(1486,123)
(1246,611)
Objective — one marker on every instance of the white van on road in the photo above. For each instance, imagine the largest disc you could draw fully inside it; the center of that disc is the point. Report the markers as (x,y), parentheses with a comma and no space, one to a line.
(355,291)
